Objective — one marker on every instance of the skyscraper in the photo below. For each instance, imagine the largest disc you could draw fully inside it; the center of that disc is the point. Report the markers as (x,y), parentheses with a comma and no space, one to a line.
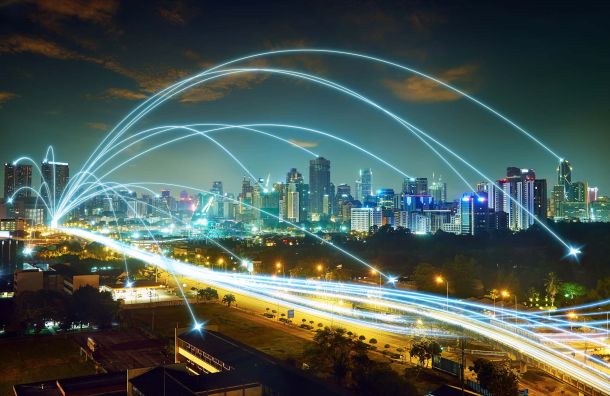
(409,186)
(474,214)
(15,177)
(421,186)
(364,185)
(319,185)
(540,199)
(564,178)
(56,175)
(438,191)
(516,197)
(295,199)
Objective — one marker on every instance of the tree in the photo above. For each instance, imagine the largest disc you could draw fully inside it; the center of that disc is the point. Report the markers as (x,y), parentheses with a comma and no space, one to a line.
(497,377)
(228,299)
(462,273)
(424,277)
(208,294)
(90,306)
(551,284)
(378,379)
(332,352)
(34,309)
(572,290)
(424,350)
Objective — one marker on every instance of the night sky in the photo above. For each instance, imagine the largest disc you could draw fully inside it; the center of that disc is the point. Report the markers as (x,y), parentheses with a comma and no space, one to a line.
(70,70)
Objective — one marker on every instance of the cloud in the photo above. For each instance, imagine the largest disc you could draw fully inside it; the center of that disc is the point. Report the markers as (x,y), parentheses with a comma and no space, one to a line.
(123,93)
(26,44)
(177,12)
(310,62)
(6,96)
(303,143)
(419,89)
(98,125)
(97,11)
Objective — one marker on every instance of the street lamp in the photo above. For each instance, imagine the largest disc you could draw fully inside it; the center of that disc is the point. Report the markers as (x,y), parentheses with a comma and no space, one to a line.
(504,294)
(221,262)
(440,280)
(572,315)
(279,265)
(375,272)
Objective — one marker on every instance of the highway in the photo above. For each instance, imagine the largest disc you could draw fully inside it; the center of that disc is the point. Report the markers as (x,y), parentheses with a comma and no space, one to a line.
(336,301)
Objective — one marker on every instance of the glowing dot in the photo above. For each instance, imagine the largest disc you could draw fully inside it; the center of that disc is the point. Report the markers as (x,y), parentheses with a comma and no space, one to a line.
(10,200)
(574,252)
(129,284)
(392,279)
(28,250)
(198,326)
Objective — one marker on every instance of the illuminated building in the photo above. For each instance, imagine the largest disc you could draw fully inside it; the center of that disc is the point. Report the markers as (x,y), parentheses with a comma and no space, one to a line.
(438,191)
(516,197)
(557,198)
(474,214)
(421,186)
(319,185)
(564,178)
(295,198)
(599,211)
(364,184)
(15,177)
(385,198)
(56,175)
(593,191)
(419,223)
(363,219)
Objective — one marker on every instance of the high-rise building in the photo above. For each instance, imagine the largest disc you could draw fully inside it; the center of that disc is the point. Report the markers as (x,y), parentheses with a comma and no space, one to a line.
(295,193)
(362,219)
(421,186)
(540,199)
(364,185)
(319,185)
(438,191)
(409,186)
(17,176)
(385,198)
(474,213)
(579,192)
(558,197)
(593,191)
(56,176)
(564,178)
(516,197)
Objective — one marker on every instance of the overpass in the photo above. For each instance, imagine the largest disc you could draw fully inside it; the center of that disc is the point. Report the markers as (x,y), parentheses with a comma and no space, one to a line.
(321,299)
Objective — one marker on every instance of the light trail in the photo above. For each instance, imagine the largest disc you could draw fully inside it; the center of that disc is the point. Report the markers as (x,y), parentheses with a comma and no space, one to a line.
(472,323)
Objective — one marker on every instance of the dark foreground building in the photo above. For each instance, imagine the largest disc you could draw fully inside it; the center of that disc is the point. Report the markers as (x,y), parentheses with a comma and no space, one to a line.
(207,364)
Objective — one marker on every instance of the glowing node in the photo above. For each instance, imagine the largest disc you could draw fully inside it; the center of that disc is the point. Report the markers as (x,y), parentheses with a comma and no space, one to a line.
(28,250)
(392,279)
(198,326)
(129,284)
(574,252)
(10,200)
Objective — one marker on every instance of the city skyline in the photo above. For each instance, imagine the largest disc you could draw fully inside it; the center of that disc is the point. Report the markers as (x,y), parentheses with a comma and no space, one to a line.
(39,58)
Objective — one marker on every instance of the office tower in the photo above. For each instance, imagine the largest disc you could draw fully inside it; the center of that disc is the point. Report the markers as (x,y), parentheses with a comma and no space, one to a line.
(217,191)
(362,219)
(342,195)
(474,213)
(409,186)
(319,185)
(438,191)
(56,175)
(516,197)
(17,176)
(558,197)
(564,172)
(364,184)
(592,192)
(540,199)
(579,192)
(385,198)
(217,188)
(270,201)
(421,186)
(295,197)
